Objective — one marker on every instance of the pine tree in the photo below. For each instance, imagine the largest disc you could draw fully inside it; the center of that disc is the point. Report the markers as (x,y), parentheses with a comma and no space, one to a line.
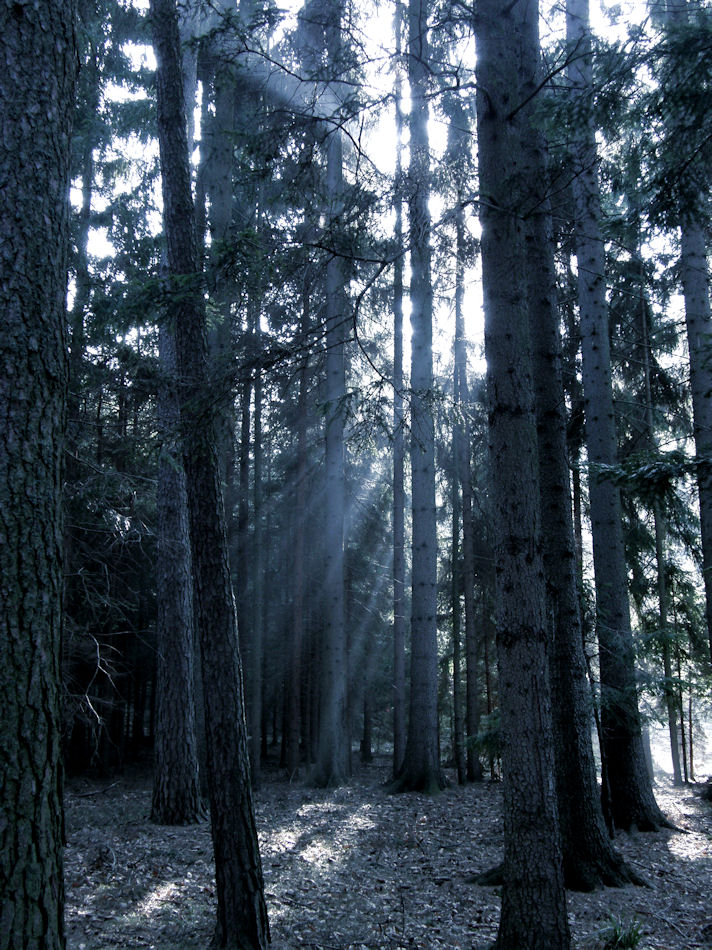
(241,914)
(533,897)
(37,90)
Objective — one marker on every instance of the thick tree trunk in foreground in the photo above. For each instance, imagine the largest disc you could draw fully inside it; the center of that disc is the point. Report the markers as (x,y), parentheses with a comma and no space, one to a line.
(421,767)
(176,785)
(37,83)
(533,897)
(632,801)
(242,914)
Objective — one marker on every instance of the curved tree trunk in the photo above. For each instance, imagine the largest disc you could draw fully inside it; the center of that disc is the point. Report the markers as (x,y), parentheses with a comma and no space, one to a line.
(241,912)
(36,108)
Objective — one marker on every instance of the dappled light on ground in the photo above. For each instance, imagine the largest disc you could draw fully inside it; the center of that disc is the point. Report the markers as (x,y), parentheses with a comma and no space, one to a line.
(358,869)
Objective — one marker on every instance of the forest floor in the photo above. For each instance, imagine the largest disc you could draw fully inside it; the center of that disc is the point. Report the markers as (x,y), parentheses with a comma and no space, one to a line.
(356,868)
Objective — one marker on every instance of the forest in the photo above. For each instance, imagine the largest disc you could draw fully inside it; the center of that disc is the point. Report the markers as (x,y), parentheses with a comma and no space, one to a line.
(355,474)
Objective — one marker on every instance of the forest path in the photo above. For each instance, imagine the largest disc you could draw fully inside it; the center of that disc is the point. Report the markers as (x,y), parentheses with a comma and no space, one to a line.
(355,868)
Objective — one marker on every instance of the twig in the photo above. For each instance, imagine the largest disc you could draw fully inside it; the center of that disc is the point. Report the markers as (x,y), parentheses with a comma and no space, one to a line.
(96,791)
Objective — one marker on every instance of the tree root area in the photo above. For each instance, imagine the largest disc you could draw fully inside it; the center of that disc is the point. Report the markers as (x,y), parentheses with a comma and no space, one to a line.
(357,868)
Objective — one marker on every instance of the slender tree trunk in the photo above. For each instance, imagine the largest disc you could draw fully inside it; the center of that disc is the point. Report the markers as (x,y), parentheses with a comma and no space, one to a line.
(458,725)
(36,108)
(258,565)
(421,767)
(632,801)
(459,131)
(533,897)
(298,638)
(241,912)
(399,605)
(334,754)
(659,526)
(681,707)
(176,785)
(241,560)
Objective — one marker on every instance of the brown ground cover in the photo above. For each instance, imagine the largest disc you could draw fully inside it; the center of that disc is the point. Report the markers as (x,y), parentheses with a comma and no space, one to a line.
(356,867)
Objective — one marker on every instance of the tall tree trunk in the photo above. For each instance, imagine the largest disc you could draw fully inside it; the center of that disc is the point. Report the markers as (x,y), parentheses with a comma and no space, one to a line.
(258,588)
(632,801)
(458,725)
(659,528)
(458,130)
(589,858)
(533,898)
(176,785)
(241,912)
(298,638)
(334,754)
(421,767)
(698,320)
(694,275)
(399,604)
(36,108)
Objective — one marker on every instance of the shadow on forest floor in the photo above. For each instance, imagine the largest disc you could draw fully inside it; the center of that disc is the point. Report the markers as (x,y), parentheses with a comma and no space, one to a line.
(355,868)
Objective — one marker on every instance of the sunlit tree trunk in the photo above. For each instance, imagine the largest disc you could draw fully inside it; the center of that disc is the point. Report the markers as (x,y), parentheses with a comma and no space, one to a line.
(632,801)
(533,897)
(36,108)
(241,911)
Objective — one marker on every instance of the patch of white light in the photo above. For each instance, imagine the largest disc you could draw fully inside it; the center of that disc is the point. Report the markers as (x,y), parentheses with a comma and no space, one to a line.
(151,904)
(320,854)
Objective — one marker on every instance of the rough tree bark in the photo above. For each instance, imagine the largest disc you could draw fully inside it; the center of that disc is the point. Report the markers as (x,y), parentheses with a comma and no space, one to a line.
(533,897)
(241,911)
(37,82)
